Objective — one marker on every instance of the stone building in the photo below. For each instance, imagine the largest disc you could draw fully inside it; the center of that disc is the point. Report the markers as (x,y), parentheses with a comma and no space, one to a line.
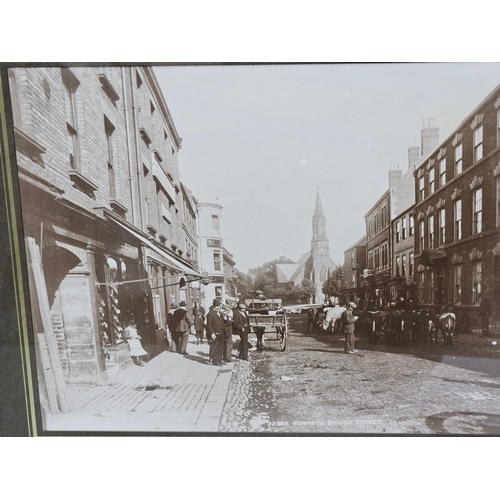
(457,215)
(315,264)
(211,245)
(110,232)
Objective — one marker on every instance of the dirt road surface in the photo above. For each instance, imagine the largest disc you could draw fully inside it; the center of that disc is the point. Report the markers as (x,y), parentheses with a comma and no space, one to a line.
(313,387)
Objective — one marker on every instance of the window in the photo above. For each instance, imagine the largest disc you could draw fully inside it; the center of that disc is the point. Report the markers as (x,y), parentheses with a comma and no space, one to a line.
(218,292)
(478,143)
(377,258)
(442,172)
(109,129)
(498,200)
(15,99)
(477,215)
(458,159)
(376,224)
(70,87)
(352,257)
(476,281)
(457,284)
(498,127)
(398,263)
(432,289)
(421,288)
(432,180)
(431,232)
(421,184)
(412,264)
(403,232)
(217,260)
(385,255)
(412,225)
(442,226)
(398,231)
(422,235)
(370,259)
(458,219)
(215,223)
(403,267)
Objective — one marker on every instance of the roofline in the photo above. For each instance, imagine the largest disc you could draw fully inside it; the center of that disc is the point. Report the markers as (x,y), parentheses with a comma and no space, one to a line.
(388,192)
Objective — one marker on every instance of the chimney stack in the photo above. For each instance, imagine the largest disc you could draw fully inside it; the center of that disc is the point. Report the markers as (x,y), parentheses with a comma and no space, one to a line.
(413,155)
(429,138)
(394,176)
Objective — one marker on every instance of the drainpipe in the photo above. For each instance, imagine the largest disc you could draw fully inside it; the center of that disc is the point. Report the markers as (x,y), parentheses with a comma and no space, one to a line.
(138,156)
(129,152)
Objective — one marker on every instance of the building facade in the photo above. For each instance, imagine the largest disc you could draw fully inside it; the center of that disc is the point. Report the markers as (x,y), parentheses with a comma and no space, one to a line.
(354,264)
(211,245)
(104,214)
(457,214)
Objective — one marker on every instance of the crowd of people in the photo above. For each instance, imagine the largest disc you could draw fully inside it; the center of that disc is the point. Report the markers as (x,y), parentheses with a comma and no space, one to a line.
(217,328)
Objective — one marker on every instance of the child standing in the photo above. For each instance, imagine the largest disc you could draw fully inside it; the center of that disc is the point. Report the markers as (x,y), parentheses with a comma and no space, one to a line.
(134,342)
(199,326)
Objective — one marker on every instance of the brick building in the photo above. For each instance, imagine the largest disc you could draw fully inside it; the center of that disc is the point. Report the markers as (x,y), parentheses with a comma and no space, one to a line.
(109,230)
(354,264)
(457,215)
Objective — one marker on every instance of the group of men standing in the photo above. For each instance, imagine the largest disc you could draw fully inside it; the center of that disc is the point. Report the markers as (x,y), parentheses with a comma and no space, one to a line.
(221,323)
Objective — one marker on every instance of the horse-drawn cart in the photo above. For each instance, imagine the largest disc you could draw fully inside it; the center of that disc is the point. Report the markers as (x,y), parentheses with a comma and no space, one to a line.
(267,316)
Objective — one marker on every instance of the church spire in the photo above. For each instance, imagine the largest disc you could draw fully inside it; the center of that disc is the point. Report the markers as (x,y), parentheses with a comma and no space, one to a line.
(318,210)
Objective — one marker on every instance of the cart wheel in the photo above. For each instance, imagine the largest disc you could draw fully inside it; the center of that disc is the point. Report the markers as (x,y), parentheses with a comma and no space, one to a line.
(283,338)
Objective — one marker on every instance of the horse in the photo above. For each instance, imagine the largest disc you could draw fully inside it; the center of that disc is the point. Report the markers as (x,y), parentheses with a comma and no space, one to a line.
(331,323)
(423,326)
(446,323)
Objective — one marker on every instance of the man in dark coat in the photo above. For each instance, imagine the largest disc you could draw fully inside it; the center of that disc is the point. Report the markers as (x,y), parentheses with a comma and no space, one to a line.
(241,327)
(347,320)
(485,314)
(182,322)
(215,332)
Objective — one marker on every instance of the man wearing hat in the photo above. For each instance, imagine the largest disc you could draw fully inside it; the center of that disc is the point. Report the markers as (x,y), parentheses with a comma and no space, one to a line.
(241,327)
(182,322)
(348,319)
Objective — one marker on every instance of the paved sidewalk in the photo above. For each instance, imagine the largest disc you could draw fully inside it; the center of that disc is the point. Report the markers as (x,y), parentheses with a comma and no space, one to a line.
(171,393)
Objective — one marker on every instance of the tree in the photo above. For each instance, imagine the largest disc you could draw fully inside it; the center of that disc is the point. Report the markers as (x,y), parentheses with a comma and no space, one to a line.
(264,278)
(335,284)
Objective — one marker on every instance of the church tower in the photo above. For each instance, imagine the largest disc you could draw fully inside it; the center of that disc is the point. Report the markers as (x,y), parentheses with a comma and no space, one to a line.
(319,242)
(321,262)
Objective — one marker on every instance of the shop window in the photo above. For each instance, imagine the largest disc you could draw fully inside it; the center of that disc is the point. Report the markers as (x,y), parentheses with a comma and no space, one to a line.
(477,206)
(458,219)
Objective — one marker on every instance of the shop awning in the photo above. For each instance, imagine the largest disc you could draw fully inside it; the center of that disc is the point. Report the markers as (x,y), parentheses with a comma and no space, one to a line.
(431,258)
(170,260)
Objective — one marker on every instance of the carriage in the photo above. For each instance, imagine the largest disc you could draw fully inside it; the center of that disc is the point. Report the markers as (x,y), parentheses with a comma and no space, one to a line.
(267,316)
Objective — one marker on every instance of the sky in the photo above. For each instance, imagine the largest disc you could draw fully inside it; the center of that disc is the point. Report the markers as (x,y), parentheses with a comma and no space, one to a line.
(261,140)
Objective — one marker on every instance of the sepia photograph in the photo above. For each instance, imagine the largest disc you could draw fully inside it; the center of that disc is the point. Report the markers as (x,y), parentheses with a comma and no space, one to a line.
(255,249)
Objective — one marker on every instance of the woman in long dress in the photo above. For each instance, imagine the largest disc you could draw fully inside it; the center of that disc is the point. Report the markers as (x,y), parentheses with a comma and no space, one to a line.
(134,342)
